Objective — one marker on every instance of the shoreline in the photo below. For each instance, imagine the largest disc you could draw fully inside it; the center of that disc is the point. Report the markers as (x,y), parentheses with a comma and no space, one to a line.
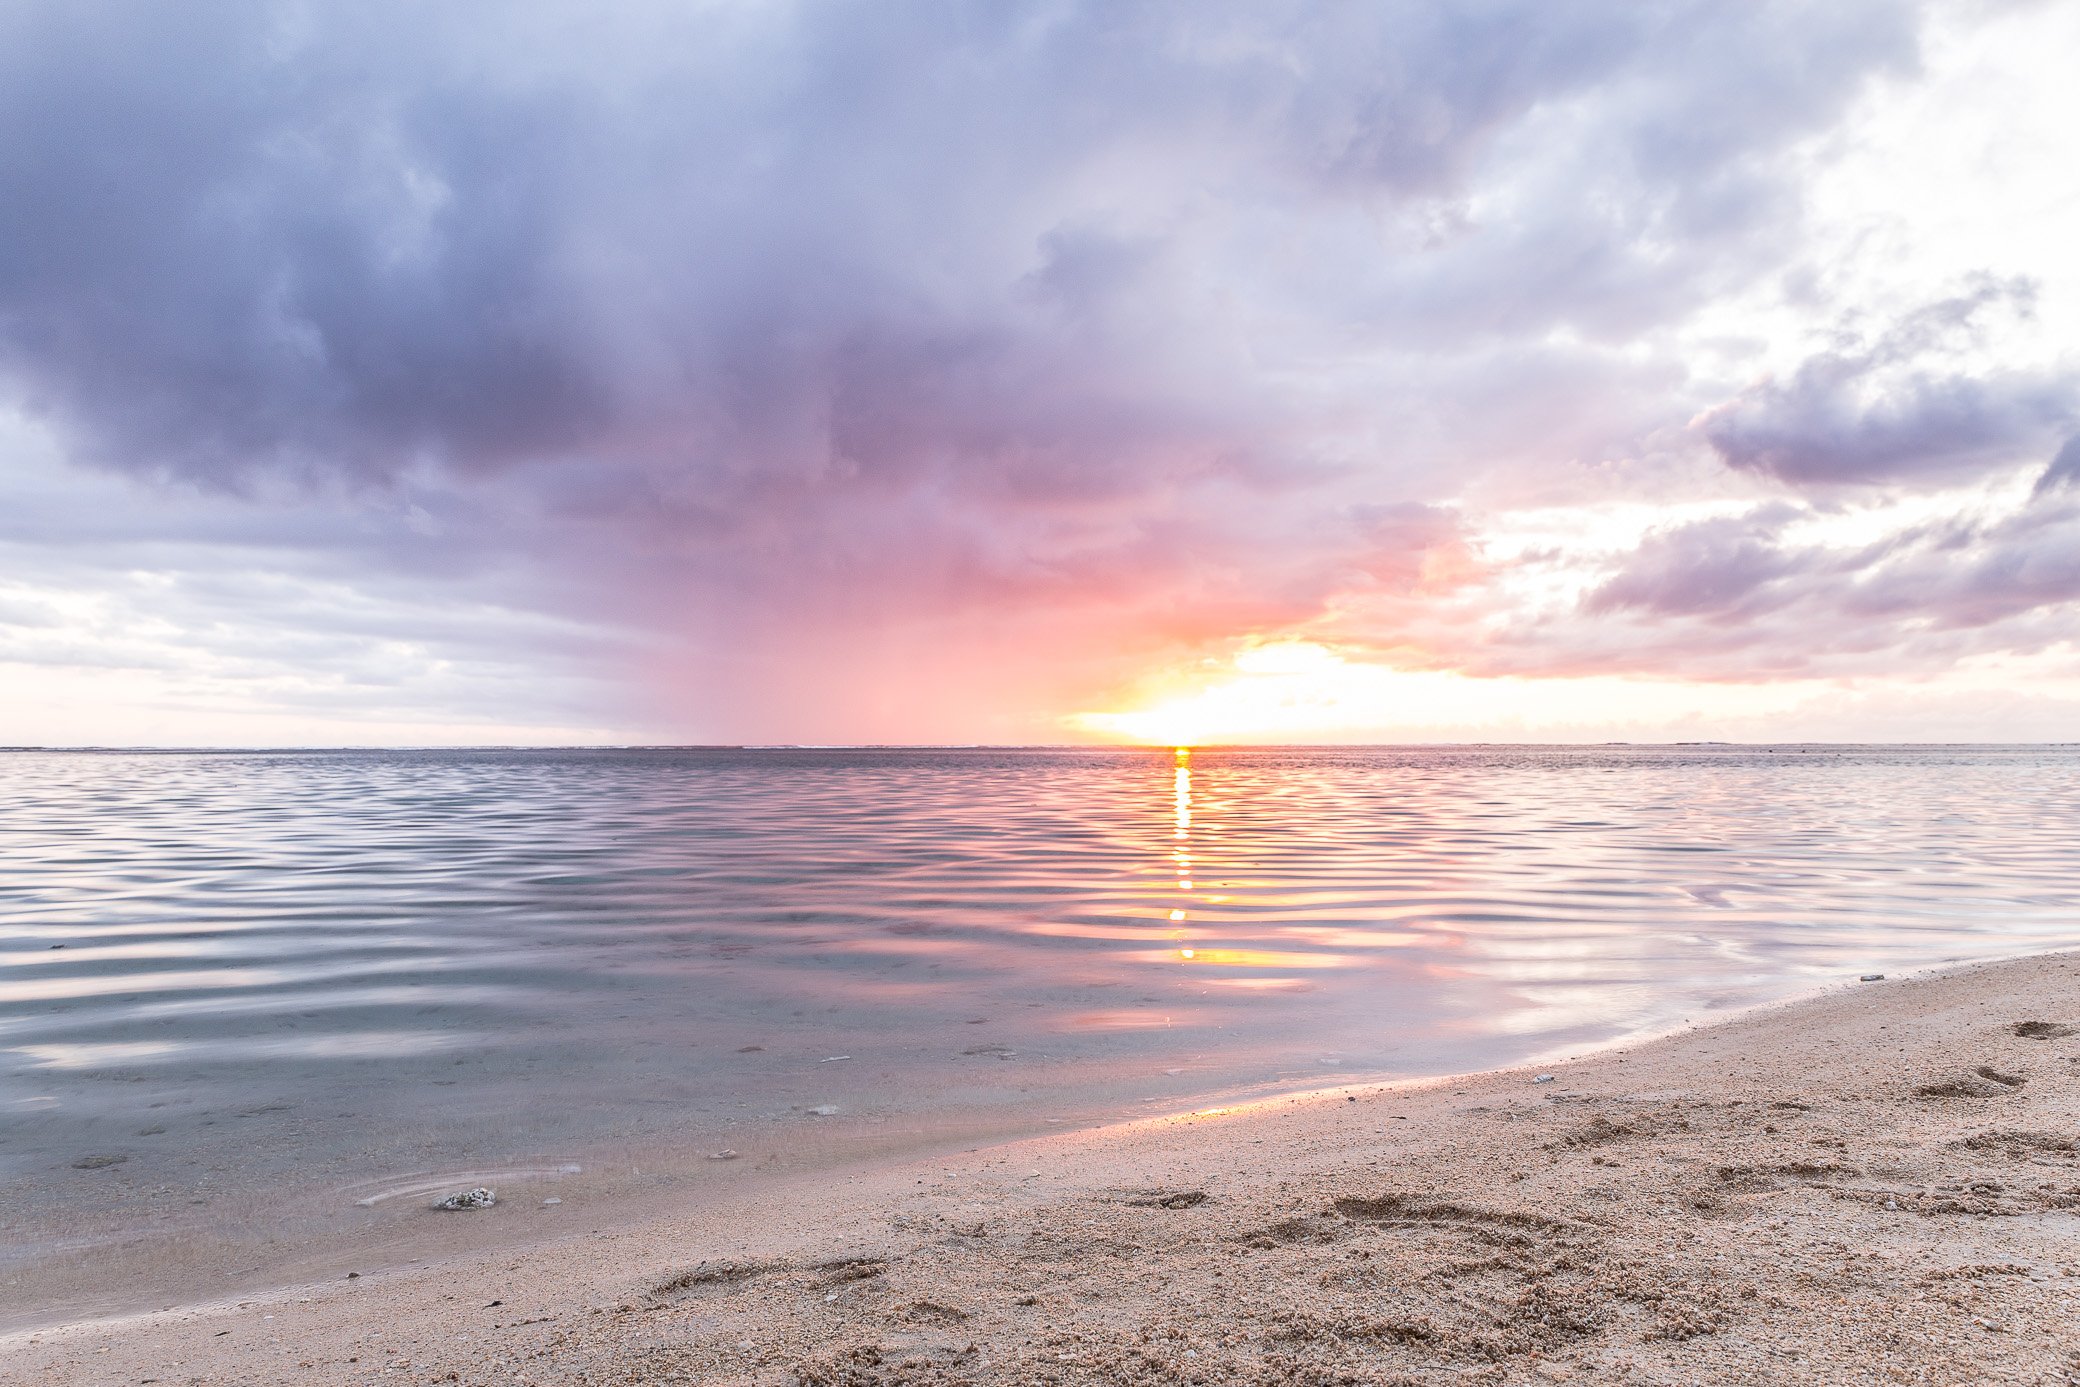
(119,1273)
(278,1259)
(1877,1182)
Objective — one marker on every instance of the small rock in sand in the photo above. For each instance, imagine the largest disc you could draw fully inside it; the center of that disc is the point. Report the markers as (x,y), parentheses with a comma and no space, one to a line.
(552,1199)
(478,1198)
(824,1110)
(1541,1078)
(725,1154)
(1872,977)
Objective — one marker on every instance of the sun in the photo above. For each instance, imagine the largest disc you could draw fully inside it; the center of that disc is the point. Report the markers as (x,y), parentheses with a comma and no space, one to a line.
(1267,691)
(1301,692)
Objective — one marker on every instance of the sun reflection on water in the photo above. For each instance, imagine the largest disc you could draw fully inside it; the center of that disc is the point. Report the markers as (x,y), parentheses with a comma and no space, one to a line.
(1181,855)
(1263,966)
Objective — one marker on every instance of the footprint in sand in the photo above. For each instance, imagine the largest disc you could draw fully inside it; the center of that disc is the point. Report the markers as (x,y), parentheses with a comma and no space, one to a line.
(1402,1209)
(2041,1147)
(1983,1082)
(1163,1199)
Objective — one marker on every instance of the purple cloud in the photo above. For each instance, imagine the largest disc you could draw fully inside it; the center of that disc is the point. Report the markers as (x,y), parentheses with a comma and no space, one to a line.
(832,354)
(1897,408)
(2063,470)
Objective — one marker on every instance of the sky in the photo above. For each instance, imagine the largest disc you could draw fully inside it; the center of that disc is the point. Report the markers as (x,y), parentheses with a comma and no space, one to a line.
(1038,372)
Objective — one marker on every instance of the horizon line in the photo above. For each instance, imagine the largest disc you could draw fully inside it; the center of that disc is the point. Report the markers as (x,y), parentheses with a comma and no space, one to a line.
(197,748)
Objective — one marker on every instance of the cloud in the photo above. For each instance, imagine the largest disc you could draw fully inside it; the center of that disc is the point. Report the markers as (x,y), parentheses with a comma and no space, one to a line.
(855,368)
(1900,406)
(1789,589)
(1724,570)
(2063,470)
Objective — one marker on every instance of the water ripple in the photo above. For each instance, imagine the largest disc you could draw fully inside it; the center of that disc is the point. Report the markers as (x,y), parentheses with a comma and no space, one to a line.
(371,961)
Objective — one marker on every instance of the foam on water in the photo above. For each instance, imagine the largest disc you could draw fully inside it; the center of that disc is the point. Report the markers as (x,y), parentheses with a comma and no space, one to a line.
(241,992)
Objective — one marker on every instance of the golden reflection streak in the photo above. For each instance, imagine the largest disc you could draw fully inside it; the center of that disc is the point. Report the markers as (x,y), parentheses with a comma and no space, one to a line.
(1260,958)
(1181,934)
(1181,831)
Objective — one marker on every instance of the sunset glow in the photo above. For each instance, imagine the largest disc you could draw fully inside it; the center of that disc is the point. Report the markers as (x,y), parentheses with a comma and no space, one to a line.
(1300,692)
(1178,376)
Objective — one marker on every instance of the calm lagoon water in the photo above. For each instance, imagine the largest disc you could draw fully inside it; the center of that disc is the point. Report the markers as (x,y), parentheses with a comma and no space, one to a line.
(256,1008)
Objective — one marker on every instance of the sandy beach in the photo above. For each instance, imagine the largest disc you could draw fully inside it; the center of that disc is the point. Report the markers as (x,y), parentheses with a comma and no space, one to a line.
(1879,1184)
(1004,693)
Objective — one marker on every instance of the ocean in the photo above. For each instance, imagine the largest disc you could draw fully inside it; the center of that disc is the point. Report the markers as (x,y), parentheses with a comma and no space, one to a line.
(258,1009)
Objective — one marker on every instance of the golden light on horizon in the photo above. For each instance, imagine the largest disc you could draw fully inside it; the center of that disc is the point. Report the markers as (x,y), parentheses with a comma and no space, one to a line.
(1303,691)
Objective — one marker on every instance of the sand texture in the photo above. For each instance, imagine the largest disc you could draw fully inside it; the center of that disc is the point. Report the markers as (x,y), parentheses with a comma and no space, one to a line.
(1878,1185)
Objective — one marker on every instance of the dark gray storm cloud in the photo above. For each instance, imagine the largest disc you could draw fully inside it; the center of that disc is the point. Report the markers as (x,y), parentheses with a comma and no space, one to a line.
(810,337)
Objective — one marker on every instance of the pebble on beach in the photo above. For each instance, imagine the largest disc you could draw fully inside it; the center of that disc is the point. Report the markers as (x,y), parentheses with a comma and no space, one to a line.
(478,1198)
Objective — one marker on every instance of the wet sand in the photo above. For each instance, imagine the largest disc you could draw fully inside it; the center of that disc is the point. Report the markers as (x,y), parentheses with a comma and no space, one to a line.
(1881,1184)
